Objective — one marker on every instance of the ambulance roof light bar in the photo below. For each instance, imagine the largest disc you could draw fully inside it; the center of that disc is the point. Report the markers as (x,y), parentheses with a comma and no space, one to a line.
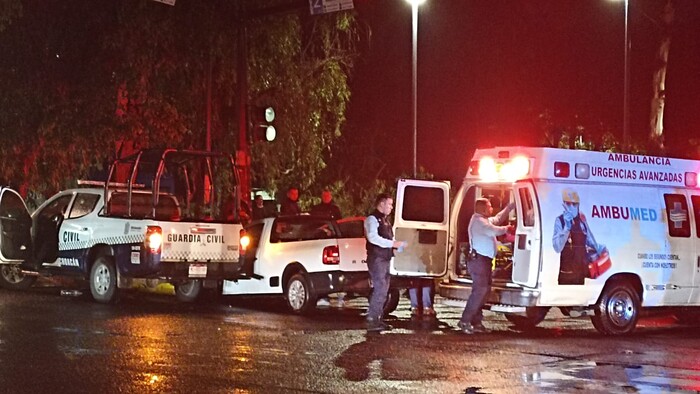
(491,170)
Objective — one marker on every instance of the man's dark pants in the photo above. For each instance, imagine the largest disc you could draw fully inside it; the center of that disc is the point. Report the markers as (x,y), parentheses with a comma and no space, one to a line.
(379,274)
(480,271)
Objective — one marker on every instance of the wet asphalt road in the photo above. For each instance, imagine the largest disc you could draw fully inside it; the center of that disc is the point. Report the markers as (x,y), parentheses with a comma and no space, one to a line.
(150,343)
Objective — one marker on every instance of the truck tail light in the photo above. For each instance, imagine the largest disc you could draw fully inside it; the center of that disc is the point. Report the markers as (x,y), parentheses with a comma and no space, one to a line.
(331,255)
(154,238)
(243,242)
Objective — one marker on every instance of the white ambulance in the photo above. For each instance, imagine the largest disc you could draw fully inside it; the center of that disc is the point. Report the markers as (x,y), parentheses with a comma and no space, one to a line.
(597,234)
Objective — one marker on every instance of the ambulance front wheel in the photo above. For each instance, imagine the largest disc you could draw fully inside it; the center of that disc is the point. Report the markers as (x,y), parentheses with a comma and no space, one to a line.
(533,316)
(617,310)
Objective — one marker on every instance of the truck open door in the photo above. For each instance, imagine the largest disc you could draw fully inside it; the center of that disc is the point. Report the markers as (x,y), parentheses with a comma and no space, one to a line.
(422,220)
(528,236)
(15,227)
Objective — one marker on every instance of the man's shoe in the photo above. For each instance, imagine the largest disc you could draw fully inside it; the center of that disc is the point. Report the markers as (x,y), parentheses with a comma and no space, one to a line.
(323,302)
(415,312)
(377,326)
(479,328)
(429,311)
(466,328)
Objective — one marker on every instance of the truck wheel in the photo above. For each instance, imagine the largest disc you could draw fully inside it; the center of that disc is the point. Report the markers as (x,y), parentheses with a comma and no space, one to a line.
(12,278)
(392,301)
(103,280)
(188,290)
(533,316)
(298,294)
(617,311)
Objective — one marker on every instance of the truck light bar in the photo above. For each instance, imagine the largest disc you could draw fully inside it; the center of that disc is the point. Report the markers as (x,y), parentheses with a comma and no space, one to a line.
(489,169)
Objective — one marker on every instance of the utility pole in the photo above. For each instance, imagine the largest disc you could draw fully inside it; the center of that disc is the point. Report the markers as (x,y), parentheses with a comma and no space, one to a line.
(243,153)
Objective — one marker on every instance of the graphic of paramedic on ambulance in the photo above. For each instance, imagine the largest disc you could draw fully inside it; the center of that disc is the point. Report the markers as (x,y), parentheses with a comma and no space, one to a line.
(575,243)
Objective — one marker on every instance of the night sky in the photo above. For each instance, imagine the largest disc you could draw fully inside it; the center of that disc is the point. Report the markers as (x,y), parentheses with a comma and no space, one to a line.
(488,68)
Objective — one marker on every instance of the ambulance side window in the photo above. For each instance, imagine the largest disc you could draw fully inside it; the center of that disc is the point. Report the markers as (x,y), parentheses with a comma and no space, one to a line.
(528,210)
(677,215)
(696,213)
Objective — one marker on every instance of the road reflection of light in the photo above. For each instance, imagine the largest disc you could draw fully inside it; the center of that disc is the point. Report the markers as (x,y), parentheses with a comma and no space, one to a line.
(149,348)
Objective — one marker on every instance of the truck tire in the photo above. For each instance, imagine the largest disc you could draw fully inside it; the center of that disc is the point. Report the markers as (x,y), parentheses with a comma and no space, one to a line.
(189,290)
(617,311)
(533,316)
(103,280)
(298,294)
(12,278)
(392,301)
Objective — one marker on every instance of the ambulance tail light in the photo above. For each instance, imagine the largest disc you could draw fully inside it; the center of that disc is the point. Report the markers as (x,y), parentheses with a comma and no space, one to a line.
(243,242)
(331,255)
(561,169)
(154,238)
(691,179)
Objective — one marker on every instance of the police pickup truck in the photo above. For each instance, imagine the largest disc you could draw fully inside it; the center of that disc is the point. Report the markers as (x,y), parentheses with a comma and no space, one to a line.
(162,216)
(303,258)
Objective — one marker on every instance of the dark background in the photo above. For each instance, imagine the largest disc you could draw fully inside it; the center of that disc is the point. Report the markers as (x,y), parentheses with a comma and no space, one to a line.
(488,69)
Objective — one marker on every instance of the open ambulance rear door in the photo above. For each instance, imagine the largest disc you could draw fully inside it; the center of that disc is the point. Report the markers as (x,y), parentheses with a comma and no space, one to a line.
(422,220)
(528,235)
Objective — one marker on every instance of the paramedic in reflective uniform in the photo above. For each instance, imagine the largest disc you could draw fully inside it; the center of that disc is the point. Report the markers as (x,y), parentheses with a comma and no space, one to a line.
(574,240)
(380,249)
(483,230)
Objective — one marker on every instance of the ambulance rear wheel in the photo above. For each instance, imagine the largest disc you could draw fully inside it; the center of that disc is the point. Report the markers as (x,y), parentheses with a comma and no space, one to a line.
(617,311)
(12,278)
(103,280)
(189,290)
(533,316)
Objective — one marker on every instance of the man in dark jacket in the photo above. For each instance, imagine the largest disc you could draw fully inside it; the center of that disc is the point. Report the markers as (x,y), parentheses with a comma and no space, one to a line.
(260,210)
(326,208)
(380,249)
(290,205)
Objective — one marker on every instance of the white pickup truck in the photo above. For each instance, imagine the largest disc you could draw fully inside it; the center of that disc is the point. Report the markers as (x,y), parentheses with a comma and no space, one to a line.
(175,220)
(303,258)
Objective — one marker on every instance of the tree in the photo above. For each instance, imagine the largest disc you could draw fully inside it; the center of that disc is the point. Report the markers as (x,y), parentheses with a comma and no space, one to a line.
(80,81)
(300,66)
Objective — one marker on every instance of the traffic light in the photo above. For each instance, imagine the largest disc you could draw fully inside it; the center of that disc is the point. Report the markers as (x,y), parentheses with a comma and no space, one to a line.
(262,125)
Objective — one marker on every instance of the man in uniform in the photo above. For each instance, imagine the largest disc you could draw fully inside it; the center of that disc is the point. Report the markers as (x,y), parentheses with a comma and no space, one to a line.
(380,249)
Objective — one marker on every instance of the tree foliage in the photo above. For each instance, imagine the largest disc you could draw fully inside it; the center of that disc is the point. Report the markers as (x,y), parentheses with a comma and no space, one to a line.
(307,81)
(9,10)
(81,80)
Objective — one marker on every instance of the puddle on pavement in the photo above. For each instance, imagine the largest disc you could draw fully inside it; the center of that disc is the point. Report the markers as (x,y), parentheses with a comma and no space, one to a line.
(606,377)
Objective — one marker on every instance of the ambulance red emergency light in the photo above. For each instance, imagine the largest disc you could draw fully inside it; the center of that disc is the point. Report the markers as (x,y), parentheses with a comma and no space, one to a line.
(597,234)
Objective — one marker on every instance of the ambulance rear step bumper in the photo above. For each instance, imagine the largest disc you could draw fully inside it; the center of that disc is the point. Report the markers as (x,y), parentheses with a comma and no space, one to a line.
(501,297)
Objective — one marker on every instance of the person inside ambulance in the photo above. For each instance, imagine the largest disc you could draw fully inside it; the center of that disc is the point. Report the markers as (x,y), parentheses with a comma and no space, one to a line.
(574,241)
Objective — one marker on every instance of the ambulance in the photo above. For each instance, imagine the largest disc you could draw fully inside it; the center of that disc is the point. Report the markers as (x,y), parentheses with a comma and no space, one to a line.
(597,234)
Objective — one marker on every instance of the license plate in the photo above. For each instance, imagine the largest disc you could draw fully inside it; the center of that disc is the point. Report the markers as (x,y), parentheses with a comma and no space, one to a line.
(198,271)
